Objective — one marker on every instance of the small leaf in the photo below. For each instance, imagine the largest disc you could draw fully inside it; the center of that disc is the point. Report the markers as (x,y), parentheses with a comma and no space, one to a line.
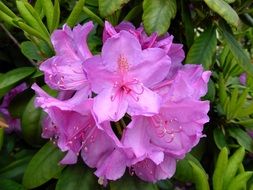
(200,178)
(11,78)
(220,167)
(224,10)
(43,166)
(15,169)
(31,124)
(7,184)
(74,15)
(31,51)
(19,102)
(77,177)
(48,9)
(240,181)
(233,164)
(219,138)
(184,170)
(108,7)
(236,49)
(128,182)
(158,14)
(242,138)
(1,136)
(203,49)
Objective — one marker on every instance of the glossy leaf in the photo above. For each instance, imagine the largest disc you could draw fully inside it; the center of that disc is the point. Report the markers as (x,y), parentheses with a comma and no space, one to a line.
(11,78)
(219,138)
(220,167)
(43,166)
(30,51)
(7,184)
(200,177)
(74,15)
(242,138)
(157,15)
(203,49)
(1,136)
(233,164)
(240,181)
(30,124)
(77,177)
(224,10)
(128,182)
(236,49)
(108,7)
(15,169)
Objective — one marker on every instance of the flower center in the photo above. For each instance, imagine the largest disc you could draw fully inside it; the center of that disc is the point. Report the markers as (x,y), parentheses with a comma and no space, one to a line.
(166,129)
(133,88)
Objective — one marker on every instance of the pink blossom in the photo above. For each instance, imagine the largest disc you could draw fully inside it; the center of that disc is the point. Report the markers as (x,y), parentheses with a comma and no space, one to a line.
(77,132)
(64,70)
(13,123)
(135,74)
(125,74)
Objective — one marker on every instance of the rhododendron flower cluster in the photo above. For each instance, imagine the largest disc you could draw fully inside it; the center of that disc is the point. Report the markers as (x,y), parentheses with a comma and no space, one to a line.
(132,106)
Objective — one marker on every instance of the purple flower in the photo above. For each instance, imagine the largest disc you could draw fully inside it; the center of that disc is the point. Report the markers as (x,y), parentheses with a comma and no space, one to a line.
(243,78)
(173,50)
(64,70)
(125,74)
(77,132)
(13,123)
(176,128)
(136,74)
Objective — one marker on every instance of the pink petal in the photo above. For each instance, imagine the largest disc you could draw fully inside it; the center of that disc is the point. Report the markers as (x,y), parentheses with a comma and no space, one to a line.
(147,103)
(124,46)
(154,67)
(108,109)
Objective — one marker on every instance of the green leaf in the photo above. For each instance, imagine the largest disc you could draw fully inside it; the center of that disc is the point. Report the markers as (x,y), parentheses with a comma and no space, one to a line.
(31,124)
(56,16)
(233,164)
(43,166)
(184,170)
(220,167)
(224,10)
(187,23)
(203,49)
(15,169)
(133,13)
(219,138)
(1,137)
(158,14)
(7,184)
(48,9)
(128,182)
(240,181)
(108,7)
(236,49)
(75,14)
(13,77)
(211,91)
(200,178)
(242,137)
(31,51)
(77,177)
(19,102)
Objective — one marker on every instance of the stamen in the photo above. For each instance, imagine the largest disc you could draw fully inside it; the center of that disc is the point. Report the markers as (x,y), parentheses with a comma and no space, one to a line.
(123,64)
